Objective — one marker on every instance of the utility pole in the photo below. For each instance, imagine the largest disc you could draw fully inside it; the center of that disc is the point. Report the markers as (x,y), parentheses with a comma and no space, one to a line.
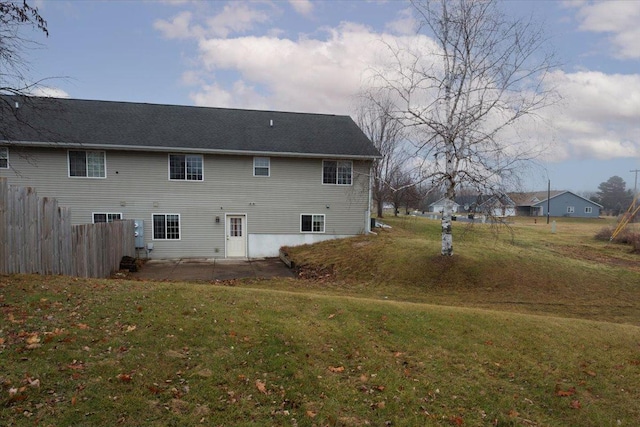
(635,189)
(548,199)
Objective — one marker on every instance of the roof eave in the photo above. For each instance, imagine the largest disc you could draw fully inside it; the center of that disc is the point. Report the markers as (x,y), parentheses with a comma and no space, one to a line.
(120,147)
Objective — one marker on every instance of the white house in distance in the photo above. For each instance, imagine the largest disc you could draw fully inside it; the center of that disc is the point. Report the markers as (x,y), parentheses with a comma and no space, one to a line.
(201,182)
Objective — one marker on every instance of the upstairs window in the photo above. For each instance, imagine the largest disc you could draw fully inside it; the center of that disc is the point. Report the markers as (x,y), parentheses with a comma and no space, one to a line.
(185,167)
(4,158)
(338,172)
(166,227)
(312,223)
(87,164)
(261,166)
(106,217)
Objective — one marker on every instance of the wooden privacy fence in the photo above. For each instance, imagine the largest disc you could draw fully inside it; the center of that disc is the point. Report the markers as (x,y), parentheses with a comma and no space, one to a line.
(36,236)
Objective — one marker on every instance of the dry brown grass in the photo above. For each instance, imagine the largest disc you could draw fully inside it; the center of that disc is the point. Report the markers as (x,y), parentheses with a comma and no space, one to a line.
(527,269)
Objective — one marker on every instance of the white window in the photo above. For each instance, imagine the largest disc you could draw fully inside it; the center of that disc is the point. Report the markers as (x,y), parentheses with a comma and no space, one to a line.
(337,172)
(4,157)
(570,209)
(166,226)
(588,209)
(312,223)
(261,166)
(87,164)
(185,167)
(106,217)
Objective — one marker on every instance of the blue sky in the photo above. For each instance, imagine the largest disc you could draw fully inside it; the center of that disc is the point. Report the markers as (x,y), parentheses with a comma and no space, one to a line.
(312,56)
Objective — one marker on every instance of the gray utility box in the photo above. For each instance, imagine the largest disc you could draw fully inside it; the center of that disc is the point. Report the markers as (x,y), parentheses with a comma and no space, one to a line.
(139,233)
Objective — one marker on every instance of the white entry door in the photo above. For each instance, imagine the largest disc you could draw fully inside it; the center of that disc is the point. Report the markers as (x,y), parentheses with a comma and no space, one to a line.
(236,236)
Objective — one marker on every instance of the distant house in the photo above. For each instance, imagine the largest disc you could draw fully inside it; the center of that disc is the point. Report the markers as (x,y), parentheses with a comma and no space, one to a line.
(559,203)
(200,182)
(496,205)
(438,206)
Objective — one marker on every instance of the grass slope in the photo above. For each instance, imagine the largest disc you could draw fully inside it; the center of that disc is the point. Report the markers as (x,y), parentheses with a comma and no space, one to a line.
(525,268)
(360,344)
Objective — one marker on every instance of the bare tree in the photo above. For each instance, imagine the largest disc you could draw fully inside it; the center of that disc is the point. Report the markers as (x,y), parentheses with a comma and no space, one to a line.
(16,86)
(461,88)
(375,118)
(14,15)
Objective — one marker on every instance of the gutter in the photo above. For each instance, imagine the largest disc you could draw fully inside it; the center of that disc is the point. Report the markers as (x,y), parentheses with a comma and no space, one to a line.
(121,147)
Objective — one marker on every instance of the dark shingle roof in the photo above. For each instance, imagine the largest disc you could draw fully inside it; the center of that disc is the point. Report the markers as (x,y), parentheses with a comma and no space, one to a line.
(138,126)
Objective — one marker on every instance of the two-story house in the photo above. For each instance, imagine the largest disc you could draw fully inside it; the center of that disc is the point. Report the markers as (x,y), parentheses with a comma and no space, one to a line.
(201,182)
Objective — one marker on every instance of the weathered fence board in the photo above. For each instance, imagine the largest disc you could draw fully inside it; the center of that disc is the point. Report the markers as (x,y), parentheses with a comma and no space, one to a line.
(36,236)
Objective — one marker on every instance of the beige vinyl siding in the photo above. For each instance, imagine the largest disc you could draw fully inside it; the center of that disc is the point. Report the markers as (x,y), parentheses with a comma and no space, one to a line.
(137,185)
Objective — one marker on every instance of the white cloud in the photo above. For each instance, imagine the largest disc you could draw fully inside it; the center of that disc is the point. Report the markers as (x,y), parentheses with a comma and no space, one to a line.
(51,92)
(179,27)
(617,18)
(303,7)
(599,116)
(405,23)
(305,74)
(235,17)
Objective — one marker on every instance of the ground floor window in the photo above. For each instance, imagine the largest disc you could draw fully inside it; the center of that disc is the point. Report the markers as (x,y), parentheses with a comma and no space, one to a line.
(106,217)
(570,209)
(588,209)
(166,226)
(310,223)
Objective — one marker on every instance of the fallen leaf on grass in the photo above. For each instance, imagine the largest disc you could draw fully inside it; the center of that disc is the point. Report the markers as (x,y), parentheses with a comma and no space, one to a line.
(379,405)
(154,389)
(565,393)
(311,414)
(125,378)
(456,420)
(82,326)
(575,404)
(131,328)
(75,365)
(336,369)
(261,386)
(33,341)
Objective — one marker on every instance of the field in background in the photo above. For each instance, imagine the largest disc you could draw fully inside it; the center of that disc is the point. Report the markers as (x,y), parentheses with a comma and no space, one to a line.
(517,329)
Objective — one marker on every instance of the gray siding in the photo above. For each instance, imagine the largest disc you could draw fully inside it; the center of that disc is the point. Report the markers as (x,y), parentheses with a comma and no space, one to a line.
(137,185)
(560,204)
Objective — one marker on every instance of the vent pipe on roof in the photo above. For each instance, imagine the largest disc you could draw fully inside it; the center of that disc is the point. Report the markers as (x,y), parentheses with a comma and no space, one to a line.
(17,104)
(270,123)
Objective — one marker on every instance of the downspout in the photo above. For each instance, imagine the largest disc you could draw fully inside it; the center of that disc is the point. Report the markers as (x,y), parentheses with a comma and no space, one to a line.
(367,218)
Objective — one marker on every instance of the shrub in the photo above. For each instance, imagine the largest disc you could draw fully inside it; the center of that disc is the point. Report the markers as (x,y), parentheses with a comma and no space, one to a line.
(627,236)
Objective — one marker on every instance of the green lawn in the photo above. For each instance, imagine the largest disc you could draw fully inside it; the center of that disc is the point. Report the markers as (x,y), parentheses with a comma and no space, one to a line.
(526,329)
